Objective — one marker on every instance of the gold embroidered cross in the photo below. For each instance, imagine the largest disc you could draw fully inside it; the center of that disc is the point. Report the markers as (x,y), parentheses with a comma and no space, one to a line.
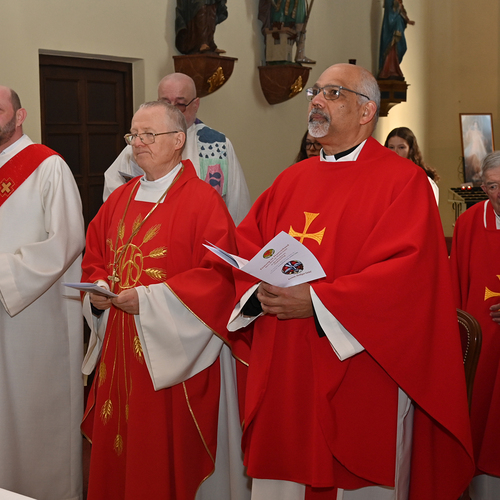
(315,236)
(488,293)
(6,188)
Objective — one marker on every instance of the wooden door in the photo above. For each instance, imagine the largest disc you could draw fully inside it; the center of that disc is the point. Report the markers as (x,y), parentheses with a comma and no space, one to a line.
(86,108)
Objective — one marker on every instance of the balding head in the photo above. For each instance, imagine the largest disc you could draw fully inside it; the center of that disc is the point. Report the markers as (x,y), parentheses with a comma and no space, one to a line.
(346,121)
(180,90)
(12,116)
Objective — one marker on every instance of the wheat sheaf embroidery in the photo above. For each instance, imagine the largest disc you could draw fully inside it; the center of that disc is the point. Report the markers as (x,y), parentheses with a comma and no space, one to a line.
(106,411)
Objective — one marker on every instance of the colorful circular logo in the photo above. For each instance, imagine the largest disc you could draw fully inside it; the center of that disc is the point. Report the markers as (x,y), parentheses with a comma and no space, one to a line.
(293,267)
(268,253)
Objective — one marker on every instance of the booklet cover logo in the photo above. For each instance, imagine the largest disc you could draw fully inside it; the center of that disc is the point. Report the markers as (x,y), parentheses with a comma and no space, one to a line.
(268,253)
(293,267)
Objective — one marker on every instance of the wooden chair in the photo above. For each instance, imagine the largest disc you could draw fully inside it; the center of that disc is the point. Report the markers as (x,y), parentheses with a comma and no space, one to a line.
(470,336)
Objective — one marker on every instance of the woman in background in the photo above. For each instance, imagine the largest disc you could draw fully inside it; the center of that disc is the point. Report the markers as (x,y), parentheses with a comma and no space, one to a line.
(309,147)
(403,142)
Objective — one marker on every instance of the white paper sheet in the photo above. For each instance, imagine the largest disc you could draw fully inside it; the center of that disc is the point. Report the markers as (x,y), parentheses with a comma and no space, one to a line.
(91,287)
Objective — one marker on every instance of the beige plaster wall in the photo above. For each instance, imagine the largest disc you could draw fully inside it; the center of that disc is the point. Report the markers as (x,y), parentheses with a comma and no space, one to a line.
(452,66)
(266,138)
(463,78)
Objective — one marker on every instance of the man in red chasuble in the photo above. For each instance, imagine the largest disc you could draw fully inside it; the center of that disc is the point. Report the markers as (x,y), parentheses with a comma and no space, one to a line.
(162,413)
(344,371)
(475,260)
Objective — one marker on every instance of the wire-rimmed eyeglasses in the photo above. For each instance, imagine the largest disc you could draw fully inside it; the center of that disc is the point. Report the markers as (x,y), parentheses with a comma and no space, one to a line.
(179,105)
(331,92)
(491,187)
(146,137)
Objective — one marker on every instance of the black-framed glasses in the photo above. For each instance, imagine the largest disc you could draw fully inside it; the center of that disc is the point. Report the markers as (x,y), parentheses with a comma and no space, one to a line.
(313,145)
(146,137)
(179,105)
(331,92)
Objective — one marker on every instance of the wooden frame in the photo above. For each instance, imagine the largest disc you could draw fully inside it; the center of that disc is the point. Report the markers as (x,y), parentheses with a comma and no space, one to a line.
(477,141)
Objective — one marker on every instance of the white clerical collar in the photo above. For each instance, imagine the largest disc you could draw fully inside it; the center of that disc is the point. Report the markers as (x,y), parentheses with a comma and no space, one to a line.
(352,156)
(151,191)
(12,146)
(485,211)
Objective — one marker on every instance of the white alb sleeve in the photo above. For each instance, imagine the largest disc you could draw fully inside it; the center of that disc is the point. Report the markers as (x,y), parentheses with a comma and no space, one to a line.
(176,344)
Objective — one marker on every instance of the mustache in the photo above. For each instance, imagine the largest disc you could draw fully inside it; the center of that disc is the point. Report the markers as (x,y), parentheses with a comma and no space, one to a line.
(318,112)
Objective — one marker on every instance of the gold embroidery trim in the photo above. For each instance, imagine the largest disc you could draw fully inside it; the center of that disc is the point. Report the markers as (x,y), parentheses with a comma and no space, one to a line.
(488,294)
(151,233)
(200,433)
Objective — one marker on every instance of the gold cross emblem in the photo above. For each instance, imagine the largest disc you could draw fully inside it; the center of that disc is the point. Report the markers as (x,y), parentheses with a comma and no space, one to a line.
(315,236)
(114,278)
(6,189)
(488,294)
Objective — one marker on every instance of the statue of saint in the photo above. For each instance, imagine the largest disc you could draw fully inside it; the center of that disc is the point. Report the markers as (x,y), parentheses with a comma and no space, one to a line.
(293,14)
(392,40)
(195,22)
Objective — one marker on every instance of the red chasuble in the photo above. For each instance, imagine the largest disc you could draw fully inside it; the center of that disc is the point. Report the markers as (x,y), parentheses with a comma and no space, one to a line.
(145,443)
(475,260)
(313,419)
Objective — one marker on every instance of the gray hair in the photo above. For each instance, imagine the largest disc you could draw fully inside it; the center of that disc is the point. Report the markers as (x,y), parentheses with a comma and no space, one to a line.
(489,162)
(172,114)
(368,85)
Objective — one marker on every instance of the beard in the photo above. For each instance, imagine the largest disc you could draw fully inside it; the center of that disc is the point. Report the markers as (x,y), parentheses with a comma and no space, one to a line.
(318,128)
(7,131)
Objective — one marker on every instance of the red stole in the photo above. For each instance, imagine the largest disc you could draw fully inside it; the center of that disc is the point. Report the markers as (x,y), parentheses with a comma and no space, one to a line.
(20,167)
(476,269)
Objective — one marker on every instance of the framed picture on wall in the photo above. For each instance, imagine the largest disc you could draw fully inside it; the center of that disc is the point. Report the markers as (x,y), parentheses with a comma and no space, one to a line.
(477,142)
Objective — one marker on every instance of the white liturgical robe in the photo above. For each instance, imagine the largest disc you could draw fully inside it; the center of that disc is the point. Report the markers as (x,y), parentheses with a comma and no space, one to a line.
(41,333)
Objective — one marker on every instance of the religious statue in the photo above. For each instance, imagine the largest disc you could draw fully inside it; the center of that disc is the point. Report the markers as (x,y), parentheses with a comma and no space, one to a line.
(285,20)
(392,40)
(195,22)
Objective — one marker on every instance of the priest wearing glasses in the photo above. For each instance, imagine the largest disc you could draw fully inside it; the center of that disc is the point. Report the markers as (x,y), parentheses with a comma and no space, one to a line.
(210,151)
(476,271)
(345,370)
(162,413)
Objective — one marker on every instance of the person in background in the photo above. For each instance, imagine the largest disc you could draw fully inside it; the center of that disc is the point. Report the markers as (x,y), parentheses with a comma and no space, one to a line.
(309,147)
(211,152)
(476,269)
(403,141)
(162,413)
(344,370)
(41,330)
